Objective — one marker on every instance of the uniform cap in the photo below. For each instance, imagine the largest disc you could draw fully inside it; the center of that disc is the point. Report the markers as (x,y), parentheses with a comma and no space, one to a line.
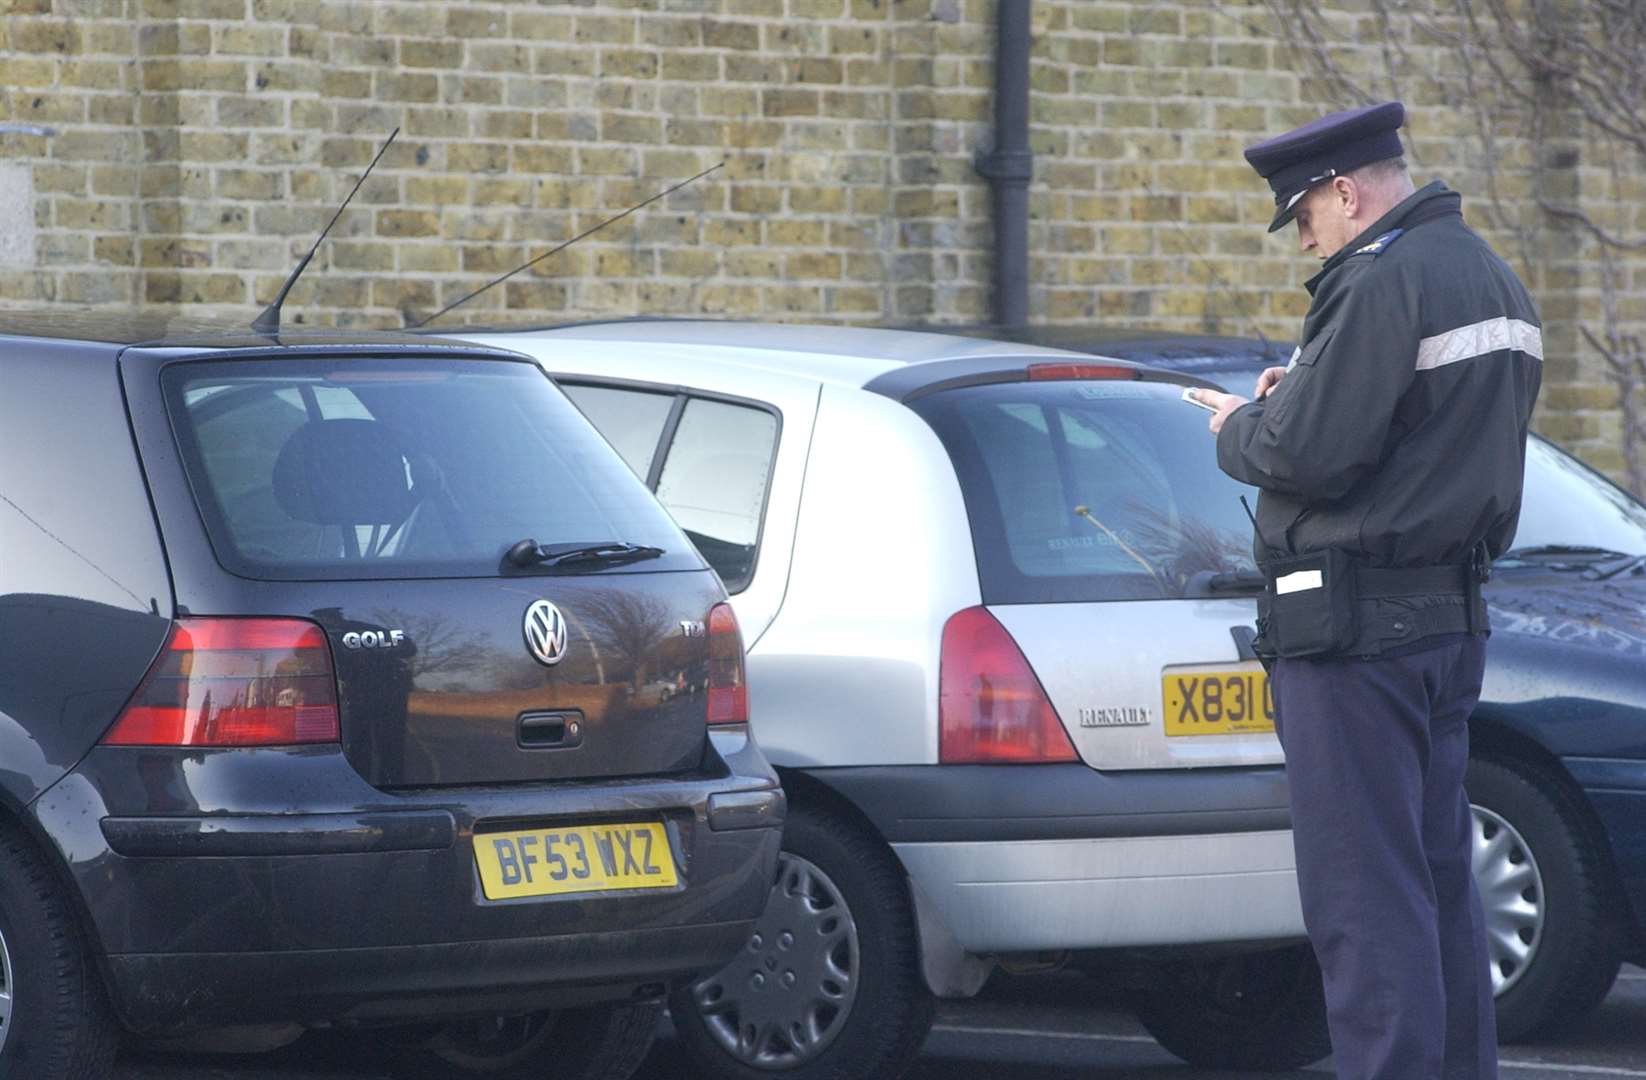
(1321,149)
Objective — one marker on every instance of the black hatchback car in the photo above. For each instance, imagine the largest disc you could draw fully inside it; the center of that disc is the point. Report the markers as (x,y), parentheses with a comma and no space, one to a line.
(326,698)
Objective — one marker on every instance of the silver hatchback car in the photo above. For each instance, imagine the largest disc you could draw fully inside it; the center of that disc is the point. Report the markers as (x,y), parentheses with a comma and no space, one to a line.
(998,615)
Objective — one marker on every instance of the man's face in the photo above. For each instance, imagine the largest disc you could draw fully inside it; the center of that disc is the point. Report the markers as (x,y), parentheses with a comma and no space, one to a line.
(1323,222)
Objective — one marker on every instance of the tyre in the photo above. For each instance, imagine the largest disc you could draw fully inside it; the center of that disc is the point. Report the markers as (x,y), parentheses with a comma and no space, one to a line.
(829,986)
(1262,1012)
(54,1016)
(603,1042)
(1553,926)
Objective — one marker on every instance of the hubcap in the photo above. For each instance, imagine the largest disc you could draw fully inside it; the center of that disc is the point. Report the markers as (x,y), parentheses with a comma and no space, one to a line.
(1511,894)
(5,992)
(786,996)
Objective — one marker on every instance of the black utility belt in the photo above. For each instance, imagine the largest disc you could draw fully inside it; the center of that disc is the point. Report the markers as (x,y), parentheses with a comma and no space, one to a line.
(1310,602)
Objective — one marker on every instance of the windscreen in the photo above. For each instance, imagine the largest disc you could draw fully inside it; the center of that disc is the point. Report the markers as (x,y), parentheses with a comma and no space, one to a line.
(322,469)
(1087,491)
(1566,503)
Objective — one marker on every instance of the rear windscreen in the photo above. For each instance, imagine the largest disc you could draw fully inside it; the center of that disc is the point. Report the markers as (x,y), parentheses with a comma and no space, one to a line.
(317,469)
(1083,491)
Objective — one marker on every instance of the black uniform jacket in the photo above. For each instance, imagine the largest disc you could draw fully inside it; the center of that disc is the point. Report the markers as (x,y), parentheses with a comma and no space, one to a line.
(1399,432)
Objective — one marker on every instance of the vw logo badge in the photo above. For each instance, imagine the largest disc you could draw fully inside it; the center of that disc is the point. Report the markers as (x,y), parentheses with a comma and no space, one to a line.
(546,632)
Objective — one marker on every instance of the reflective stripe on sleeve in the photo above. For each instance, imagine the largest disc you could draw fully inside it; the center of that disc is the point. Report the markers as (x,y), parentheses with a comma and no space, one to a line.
(1479,339)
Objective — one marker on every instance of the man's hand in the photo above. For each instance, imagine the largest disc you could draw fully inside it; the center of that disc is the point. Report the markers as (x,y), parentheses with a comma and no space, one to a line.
(1267,381)
(1223,403)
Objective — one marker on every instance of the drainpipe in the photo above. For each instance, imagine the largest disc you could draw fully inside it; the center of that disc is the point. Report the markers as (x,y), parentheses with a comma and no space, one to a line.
(1010,166)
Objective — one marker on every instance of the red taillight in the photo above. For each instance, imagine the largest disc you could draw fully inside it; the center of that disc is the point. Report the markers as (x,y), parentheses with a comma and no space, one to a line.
(728,694)
(991,708)
(235,682)
(1037,372)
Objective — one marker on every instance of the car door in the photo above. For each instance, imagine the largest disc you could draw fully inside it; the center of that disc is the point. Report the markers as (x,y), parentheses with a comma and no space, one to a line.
(727,467)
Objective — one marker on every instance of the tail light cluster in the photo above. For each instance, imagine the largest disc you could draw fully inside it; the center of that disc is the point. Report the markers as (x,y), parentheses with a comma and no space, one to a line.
(991,707)
(728,688)
(235,682)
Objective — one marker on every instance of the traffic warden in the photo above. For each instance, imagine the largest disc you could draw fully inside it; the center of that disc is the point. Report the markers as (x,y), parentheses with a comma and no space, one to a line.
(1388,456)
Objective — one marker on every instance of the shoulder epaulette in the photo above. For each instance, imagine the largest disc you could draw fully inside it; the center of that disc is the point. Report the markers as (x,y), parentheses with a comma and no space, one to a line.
(1376,246)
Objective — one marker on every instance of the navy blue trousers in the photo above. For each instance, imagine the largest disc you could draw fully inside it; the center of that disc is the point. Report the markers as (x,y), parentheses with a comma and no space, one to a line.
(1375,755)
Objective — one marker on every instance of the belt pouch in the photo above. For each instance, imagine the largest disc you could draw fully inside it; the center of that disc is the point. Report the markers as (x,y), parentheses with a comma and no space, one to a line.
(1308,603)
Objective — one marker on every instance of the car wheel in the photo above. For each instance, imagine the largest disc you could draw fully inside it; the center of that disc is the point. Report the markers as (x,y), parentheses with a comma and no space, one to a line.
(54,1017)
(1262,1011)
(606,1042)
(1552,928)
(829,983)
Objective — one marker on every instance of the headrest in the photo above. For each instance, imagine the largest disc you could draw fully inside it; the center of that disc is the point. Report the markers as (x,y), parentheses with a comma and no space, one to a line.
(344,472)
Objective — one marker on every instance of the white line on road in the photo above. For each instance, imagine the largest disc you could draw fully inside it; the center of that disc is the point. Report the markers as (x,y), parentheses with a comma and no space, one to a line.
(1030,1033)
(1561,1066)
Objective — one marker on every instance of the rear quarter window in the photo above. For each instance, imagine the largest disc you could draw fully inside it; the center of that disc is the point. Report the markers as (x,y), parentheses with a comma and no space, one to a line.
(316,469)
(1090,491)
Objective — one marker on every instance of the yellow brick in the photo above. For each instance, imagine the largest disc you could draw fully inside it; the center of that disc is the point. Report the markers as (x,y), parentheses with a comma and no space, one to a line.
(628,64)
(734,36)
(817,264)
(116,250)
(478,157)
(690,67)
(407,223)
(612,30)
(432,54)
(40,36)
(693,263)
(490,191)
(728,232)
(397,87)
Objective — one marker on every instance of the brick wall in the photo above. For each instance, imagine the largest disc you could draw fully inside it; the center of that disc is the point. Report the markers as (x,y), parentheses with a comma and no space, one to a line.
(201,144)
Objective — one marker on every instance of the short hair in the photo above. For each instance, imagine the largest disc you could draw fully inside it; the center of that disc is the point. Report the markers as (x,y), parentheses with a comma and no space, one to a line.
(1377,171)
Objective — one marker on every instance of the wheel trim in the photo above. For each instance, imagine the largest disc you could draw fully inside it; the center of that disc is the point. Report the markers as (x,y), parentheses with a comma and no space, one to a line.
(1511,897)
(788,994)
(5,992)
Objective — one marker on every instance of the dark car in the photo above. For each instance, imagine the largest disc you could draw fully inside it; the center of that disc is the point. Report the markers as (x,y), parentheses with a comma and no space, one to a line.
(326,672)
(1558,765)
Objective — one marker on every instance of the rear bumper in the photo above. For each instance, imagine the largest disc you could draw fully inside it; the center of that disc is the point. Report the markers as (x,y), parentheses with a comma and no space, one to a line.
(162,992)
(1095,894)
(978,803)
(1049,857)
(276,885)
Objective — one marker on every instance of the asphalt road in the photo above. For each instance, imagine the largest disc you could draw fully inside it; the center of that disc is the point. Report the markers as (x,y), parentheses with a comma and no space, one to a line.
(1045,1028)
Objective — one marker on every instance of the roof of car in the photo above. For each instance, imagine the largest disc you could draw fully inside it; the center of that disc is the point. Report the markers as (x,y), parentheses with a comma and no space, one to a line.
(161,330)
(1164,348)
(838,354)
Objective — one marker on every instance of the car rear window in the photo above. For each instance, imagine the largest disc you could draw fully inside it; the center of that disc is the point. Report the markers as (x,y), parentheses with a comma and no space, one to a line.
(319,469)
(1088,491)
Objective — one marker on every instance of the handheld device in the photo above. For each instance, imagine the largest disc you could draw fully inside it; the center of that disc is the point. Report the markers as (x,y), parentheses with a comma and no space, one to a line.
(1188,396)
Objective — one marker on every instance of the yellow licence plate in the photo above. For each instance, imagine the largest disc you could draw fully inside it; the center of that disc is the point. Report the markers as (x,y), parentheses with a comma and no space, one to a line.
(1218,702)
(574,858)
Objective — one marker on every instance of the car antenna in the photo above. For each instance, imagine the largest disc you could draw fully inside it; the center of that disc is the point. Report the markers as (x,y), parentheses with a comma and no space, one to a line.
(269,321)
(562,247)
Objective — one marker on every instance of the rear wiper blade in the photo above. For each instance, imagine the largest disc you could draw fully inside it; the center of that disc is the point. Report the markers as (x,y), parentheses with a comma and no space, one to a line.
(1233,581)
(529,553)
